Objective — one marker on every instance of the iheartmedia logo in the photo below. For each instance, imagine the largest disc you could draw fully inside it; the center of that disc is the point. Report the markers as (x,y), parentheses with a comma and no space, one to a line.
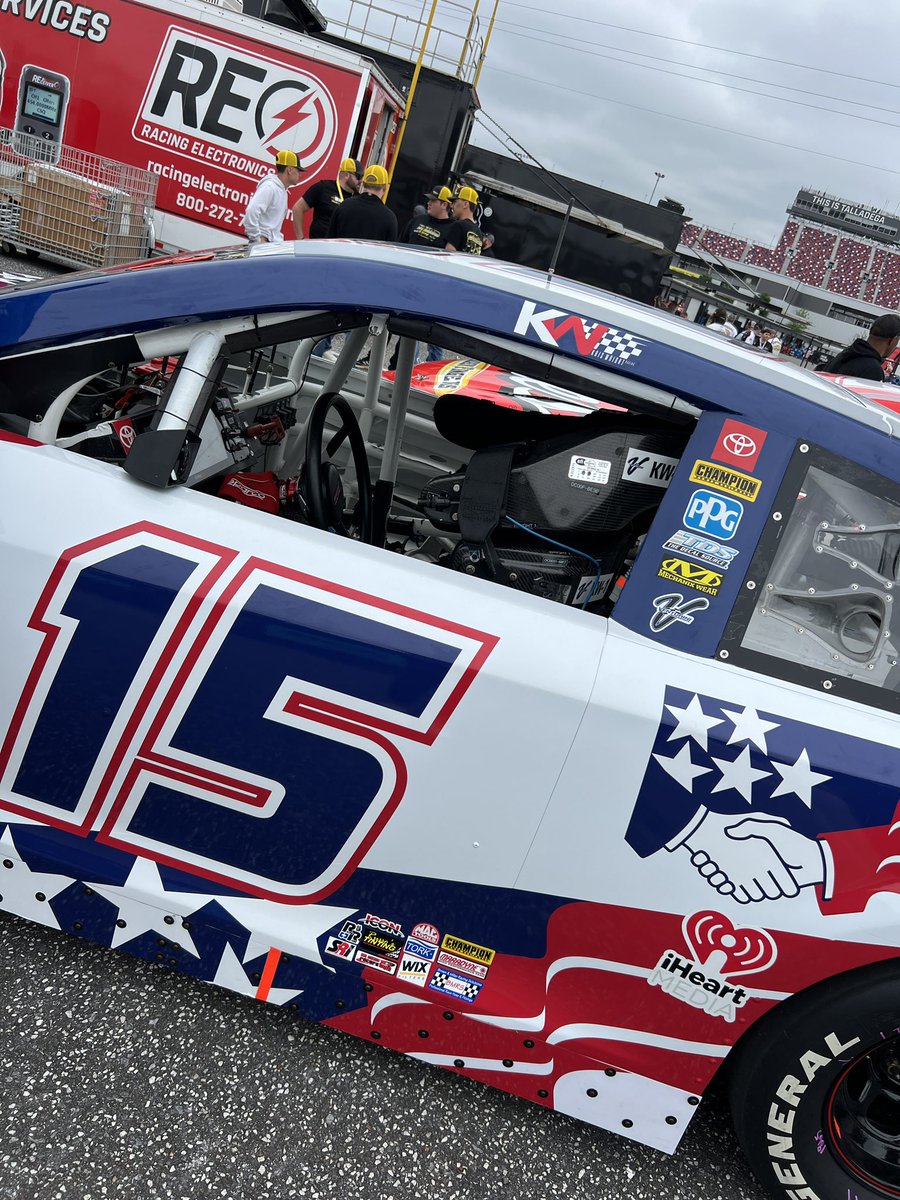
(719,953)
(213,102)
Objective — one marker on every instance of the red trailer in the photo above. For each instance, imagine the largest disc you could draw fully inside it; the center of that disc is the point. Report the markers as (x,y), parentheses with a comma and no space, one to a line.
(198,94)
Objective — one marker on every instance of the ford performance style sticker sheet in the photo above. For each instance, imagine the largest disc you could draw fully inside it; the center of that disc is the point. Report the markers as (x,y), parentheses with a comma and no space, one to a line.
(695,556)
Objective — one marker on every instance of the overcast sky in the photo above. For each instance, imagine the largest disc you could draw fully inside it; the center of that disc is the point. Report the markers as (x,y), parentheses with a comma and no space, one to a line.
(713,93)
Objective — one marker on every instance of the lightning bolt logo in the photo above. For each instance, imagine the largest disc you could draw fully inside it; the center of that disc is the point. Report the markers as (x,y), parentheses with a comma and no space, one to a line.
(296,112)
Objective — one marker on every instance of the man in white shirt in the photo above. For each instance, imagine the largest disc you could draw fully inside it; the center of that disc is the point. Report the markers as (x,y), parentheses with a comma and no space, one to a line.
(268,206)
(720,322)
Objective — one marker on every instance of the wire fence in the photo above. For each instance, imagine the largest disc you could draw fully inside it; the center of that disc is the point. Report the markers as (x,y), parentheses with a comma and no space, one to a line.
(79,208)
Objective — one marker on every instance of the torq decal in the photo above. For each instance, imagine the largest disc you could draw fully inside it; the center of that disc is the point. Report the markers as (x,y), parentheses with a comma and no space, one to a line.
(234,720)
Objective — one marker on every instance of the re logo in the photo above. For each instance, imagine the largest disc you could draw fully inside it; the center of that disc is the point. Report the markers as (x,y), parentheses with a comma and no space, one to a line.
(231,108)
(717,516)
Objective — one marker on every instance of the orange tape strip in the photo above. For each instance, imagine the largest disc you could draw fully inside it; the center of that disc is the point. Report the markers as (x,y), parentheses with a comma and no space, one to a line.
(268,975)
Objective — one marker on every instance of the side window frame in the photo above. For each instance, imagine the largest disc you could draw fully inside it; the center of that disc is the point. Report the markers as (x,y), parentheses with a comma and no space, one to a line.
(784,511)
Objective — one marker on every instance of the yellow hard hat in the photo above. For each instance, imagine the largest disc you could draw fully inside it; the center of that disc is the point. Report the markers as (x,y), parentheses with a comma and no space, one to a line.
(287,158)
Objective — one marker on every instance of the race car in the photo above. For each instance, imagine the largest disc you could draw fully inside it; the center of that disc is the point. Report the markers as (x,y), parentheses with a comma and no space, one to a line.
(558,749)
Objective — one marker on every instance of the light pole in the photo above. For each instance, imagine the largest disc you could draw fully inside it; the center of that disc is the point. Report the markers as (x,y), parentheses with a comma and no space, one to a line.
(659,175)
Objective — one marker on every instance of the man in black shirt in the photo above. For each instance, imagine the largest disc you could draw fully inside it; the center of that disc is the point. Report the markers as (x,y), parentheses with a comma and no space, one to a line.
(862,359)
(464,236)
(430,228)
(365,215)
(323,198)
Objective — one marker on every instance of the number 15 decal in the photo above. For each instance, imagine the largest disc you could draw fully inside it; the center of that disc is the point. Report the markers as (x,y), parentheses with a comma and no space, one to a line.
(237,720)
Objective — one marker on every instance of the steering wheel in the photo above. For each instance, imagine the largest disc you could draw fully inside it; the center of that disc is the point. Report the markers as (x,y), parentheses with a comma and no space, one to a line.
(323,488)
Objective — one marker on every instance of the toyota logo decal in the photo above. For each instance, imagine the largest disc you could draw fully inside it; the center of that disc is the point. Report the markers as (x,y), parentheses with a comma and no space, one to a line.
(739,445)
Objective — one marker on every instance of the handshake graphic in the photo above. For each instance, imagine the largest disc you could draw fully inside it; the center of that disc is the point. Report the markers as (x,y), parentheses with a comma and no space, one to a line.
(751,858)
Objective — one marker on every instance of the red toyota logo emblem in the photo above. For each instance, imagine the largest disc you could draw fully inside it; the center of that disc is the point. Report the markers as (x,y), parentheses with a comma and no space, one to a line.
(739,445)
(126,433)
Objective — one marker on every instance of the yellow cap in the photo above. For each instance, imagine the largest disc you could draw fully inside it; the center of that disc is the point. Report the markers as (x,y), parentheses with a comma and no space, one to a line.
(375,175)
(440,193)
(287,158)
(349,164)
(468,194)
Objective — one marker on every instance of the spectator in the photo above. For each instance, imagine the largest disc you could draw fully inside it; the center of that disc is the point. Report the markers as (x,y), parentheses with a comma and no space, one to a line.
(750,336)
(487,246)
(720,323)
(268,206)
(464,236)
(365,216)
(323,198)
(863,357)
(429,228)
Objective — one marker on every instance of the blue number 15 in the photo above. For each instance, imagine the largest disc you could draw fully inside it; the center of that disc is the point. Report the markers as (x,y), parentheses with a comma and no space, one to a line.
(228,717)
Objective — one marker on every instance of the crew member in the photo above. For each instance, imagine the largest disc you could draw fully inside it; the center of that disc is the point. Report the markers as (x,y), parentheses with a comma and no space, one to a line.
(863,358)
(365,215)
(323,198)
(430,228)
(464,235)
(268,206)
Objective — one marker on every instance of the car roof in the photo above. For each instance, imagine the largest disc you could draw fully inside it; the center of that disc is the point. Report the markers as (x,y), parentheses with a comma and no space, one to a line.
(581,329)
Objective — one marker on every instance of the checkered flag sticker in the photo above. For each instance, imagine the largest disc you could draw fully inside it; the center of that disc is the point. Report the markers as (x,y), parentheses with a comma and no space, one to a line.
(623,347)
(466,990)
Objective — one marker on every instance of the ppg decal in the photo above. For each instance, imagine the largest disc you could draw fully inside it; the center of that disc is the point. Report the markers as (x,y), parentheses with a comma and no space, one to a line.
(208,102)
(714,515)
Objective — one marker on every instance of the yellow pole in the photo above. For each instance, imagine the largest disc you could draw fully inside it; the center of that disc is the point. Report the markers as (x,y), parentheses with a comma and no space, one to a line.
(486,44)
(412,92)
(465,45)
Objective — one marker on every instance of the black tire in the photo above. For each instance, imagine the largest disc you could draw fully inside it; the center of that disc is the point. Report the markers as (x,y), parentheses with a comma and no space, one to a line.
(30,253)
(815,1090)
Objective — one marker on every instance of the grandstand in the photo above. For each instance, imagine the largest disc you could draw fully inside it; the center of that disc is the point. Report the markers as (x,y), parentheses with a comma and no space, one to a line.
(820,262)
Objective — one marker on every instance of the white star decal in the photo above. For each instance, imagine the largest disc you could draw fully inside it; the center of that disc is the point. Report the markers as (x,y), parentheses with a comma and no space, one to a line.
(143,904)
(798,780)
(749,727)
(292,928)
(681,768)
(230,974)
(692,722)
(21,886)
(739,775)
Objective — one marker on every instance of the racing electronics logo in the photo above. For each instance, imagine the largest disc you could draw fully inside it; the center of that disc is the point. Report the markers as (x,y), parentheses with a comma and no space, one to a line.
(211,102)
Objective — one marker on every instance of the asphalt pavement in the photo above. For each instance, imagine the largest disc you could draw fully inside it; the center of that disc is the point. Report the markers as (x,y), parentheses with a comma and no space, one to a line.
(123,1080)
